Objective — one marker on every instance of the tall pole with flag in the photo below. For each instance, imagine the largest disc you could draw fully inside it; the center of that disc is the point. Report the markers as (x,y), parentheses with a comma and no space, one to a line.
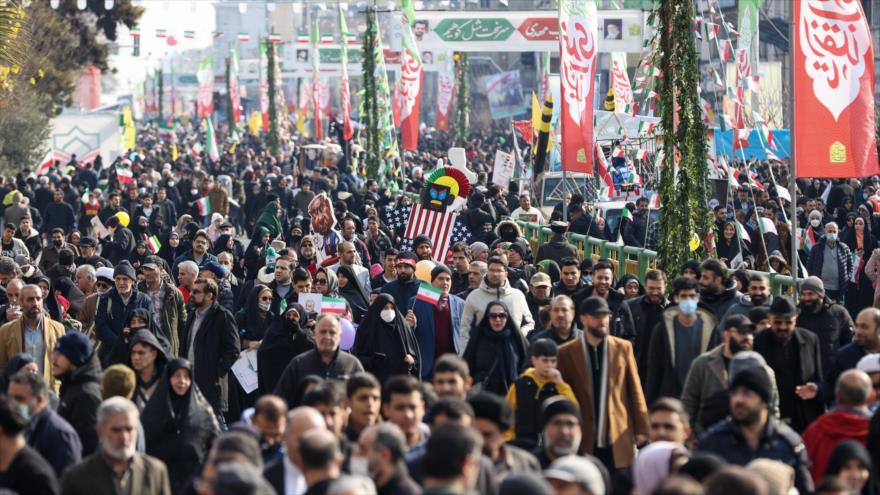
(577,67)
(347,130)
(411,75)
(233,90)
(205,77)
(273,137)
(792,183)
(314,39)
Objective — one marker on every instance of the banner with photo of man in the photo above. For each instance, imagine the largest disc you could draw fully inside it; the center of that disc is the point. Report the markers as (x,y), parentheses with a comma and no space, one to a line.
(505,95)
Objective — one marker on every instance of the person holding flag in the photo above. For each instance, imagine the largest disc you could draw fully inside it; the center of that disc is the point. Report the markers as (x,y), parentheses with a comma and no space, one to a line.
(436,319)
(384,342)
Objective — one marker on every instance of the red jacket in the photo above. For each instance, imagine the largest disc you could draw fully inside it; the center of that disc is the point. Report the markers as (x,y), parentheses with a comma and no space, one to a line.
(826,432)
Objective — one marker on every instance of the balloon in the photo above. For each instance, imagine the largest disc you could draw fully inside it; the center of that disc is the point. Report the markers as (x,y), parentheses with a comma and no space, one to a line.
(347,335)
(123,218)
(423,270)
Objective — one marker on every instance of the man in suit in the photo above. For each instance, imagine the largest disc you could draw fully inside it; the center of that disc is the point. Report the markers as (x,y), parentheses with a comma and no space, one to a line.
(285,474)
(98,474)
(437,326)
(34,332)
(602,371)
(211,344)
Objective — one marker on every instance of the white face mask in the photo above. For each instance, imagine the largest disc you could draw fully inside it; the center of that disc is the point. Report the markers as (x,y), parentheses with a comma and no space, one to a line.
(387,315)
(815,223)
(264,307)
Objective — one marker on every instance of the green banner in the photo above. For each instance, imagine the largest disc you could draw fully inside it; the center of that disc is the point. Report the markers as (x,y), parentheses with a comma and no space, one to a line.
(487,29)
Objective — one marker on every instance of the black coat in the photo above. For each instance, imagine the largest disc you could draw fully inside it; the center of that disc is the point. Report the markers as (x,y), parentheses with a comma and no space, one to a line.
(179,436)
(308,363)
(79,399)
(481,356)
(381,347)
(645,317)
(111,317)
(118,246)
(55,440)
(284,340)
(216,347)
(832,324)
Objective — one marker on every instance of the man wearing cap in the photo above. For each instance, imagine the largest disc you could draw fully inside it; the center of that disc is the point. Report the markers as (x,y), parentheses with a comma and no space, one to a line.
(213,270)
(575,475)
(538,296)
(119,244)
(557,247)
(751,431)
(870,364)
(849,420)
(684,332)
(169,314)
(602,371)
(825,318)
(114,309)
(87,247)
(795,355)
(437,327)
(103,283)
(493,417)
(75,364)
(407,285)
(34,333)
(561,328)
(832,262)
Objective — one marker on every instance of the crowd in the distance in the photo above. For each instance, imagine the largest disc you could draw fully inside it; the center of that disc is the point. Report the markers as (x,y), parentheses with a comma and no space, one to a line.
(160,336)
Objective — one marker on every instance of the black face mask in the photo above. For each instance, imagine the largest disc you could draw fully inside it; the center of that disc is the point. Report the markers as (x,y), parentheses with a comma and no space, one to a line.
(508,235)
(57,243)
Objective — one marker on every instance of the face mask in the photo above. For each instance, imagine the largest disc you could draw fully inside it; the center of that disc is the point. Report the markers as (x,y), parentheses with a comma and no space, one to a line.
(815,223)
(831,237)
(24,411)
(387,315)
(688,306)
(588,279)
(57,243)
(359,466)
(194,191)
(264,307)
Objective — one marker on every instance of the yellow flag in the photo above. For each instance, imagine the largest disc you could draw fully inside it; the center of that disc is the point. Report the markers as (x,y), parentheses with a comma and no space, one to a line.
(536,111)
(232,148)
(255,123)
(694,243)
(175,153)
(129,135)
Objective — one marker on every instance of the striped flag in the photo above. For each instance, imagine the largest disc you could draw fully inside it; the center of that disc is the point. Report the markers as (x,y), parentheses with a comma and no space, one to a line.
(217,34)
(437,225)
(274,38)
(46,162)
(189,34)
(244,37)
(154,244)
(204,205)
(160,33)
(302,38)
(135,33)
(428,293)
(327,39)
(334,305)
(743,233)
(124,175)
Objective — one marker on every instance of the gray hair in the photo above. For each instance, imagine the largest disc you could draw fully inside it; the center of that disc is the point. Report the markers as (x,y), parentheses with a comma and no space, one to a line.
(88,271)
(188,266)
(352,485)
(116,405)
(8,266)
(331,316)
(389,436)
(33,381)
(481,265)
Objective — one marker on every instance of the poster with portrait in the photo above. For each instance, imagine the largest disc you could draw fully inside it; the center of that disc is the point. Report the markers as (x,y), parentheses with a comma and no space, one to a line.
(505,95)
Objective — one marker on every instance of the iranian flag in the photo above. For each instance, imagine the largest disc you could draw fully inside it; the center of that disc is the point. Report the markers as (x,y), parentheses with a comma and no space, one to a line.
(154,244)
(46,162)
(211,141)
(428,293)
(624,213)
(624,101)
(244,37)
(577,68)
(335,305)
(834,90)
(124,175)
(205,77)
(274,38)
(412,73)
(161,33)
(204,206)
(234,92)
(189,34)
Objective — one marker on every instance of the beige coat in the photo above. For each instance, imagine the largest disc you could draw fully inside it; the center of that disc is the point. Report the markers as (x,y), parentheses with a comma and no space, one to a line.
(12,343)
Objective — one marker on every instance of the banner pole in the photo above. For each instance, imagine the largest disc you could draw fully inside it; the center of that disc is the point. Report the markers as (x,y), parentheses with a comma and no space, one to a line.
(792,180)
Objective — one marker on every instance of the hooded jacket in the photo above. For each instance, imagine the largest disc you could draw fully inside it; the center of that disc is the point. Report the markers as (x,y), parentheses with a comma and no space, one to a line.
(111,319)
(179,429)
(284,340)
(79,400)
(143,390)
(718,304)
(827,431)
(479,298)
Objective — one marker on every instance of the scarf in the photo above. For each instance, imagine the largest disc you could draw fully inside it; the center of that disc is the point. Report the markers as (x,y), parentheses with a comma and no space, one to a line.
(504,370)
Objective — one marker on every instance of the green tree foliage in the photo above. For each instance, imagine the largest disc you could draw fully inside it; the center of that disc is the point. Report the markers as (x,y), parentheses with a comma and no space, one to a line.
(369,103)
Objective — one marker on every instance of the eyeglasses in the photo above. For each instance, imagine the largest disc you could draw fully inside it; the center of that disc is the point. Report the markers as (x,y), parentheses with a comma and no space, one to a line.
(496,316)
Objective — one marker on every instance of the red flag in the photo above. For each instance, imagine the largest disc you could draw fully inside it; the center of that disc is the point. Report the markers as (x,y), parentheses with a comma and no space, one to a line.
(395,105)
(577,68)
(445,91)
(411,75)
(318,111)
(834,90)
(525,128)
(741,138)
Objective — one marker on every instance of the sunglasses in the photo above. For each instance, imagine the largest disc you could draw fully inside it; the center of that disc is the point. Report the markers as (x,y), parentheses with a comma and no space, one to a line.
(496,316)
(268,298)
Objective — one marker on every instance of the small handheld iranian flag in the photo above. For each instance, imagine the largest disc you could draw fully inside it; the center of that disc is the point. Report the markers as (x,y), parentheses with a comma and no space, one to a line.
(428,293)
(189,34)
(334,305)
(204,205)
(154,244)
(124,175)
(244,37)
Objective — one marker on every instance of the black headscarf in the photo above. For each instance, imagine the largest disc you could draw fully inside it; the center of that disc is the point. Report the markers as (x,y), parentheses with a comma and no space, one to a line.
(354,293)
(376,340)
(508,348)
(250,324)
(13,366)
(151,327)
(843,453)
(284,340)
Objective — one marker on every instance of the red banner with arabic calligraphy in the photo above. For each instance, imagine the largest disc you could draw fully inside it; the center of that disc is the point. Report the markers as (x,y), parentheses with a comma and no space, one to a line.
(445,91)
(412,73)
(318,111)
(834,90)
(577,68)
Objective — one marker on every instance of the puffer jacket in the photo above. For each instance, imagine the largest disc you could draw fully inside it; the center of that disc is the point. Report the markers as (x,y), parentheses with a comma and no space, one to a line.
(480,297)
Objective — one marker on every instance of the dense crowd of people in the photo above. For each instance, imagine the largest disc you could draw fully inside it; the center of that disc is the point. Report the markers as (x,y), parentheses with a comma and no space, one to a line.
(160,336)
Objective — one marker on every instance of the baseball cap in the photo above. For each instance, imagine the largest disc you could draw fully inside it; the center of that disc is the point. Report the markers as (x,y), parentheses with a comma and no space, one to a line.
(579,470)
(740,322)
(541,280)
(595,306)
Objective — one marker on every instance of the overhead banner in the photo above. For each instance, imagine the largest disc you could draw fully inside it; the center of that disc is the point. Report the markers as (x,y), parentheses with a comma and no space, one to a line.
(412,75)
(833,91)
(205,105)
(505,95)
(521,31)
(445,89)
(85,135)
(623,93)
(577,68)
